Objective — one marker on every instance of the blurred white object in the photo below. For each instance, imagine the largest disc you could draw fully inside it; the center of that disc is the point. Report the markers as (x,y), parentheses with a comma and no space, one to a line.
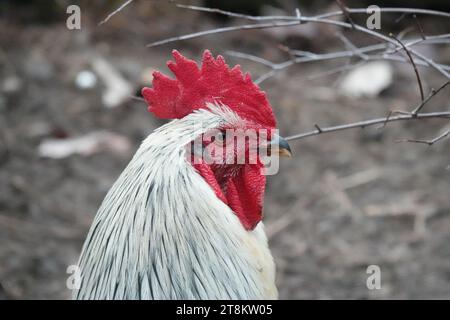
(86,145)
(368,80)
(86,80)
(11,84)
(118,90)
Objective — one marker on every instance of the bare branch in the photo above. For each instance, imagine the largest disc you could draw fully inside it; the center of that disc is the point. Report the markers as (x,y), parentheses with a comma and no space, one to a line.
(329,72)
(372,122)
(419,26)
(441,38)
(428,98)
(321,16)
(115,12)
(319,129)
(223,30)
(277,21)
(389,40)
(251,57)
(346,13)
(216,10)
(136,98)
(388,10)
(390,46)
(297,53)
(414,113)
(428,142)
(351,46)
(313,57)
(402,16)
(419,81)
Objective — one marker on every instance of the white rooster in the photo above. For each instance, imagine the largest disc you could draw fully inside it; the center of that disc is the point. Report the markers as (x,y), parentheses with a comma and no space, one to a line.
(174,226)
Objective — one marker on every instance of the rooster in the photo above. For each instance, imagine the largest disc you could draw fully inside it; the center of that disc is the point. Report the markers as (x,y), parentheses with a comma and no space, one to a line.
(173,225)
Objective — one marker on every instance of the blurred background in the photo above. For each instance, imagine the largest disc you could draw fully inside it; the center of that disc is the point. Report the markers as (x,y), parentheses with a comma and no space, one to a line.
(345,201)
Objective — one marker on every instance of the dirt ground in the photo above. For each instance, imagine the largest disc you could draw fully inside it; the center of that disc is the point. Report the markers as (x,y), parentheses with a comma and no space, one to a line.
(345,201)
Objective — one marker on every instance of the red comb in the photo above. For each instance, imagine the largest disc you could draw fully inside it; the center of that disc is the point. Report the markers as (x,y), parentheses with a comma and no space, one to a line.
(214,82)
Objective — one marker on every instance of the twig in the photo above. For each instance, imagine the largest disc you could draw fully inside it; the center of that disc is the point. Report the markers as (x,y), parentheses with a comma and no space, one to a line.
(298,19)
(387,119)
(419,81)
(115,12)
(432,93)
(372,122)
(223,30)
(346,13)
(311,57)
(333,71)
(389,40)
(388,10)
(414,113)
(251,57)
(265,76)
(404,32)
(321,16)
(298,53)
(137,98)
(319,129)
(351,46)
(402,16)
(215,10)
(429,39)
(392,112)
(291,54)
(428,142)
(419,26)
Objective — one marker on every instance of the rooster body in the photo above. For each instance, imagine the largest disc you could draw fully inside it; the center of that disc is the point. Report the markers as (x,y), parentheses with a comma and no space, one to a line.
(168,229)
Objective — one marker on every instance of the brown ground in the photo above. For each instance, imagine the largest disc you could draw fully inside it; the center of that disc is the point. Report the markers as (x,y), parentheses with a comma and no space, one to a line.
(345,201)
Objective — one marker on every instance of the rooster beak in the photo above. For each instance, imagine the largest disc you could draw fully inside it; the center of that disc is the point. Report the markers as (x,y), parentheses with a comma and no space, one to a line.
(280,145)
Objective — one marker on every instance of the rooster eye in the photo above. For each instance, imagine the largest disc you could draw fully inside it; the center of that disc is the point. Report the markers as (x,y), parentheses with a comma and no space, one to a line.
(220,137)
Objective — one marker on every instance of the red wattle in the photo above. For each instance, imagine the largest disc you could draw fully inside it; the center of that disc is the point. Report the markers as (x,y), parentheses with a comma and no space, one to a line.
(244,193)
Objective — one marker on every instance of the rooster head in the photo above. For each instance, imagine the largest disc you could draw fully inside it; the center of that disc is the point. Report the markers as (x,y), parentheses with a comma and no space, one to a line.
(237,173)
